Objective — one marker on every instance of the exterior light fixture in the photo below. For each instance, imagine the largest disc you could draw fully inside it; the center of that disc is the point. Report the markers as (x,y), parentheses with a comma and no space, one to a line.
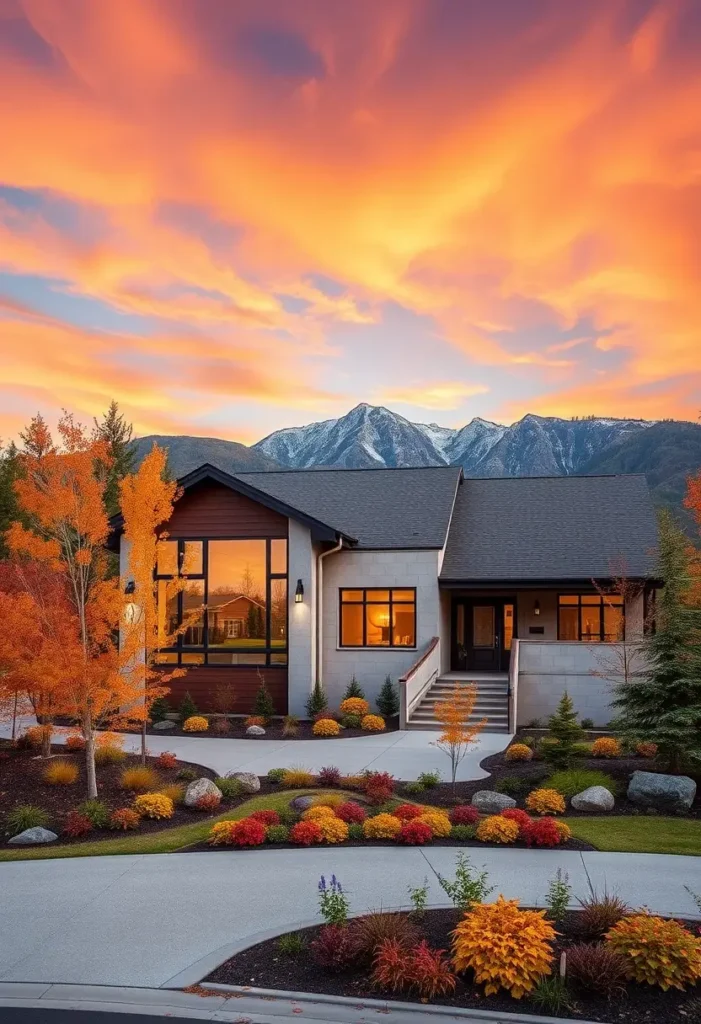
(131,612)
(130,587)
(536,607)
(299,592)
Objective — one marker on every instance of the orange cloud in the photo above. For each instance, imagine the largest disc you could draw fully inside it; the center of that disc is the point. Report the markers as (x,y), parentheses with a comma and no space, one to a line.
(432,396)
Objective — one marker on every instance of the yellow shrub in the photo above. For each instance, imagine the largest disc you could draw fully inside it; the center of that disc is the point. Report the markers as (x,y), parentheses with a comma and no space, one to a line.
(496,829)
(154,805)
(297,778)
(330,800)
(382,826)
(109,739)
(219,833)
(438,822)
(139,779)
(505,946)
(657,951)
(333,829)
(326,727)
(196,723)
(564,830)
(606,746)
(174,792)
(372,723)
(61,773)
(355,706)
(519,752)
(545,801)
(352,781)
(317,813)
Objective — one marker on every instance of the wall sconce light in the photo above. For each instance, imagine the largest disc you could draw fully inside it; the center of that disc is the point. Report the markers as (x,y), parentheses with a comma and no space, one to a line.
(130,587)
(299,592)
(536,607)
(131,612)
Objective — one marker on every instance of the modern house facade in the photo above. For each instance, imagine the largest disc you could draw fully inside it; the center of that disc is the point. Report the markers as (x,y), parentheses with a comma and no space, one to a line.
(419,574)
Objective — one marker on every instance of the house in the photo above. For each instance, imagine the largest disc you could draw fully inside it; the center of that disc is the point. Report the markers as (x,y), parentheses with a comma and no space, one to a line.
(419,574)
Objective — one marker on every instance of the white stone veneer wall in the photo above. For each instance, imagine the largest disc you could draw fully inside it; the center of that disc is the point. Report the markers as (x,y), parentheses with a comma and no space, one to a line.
(380,569)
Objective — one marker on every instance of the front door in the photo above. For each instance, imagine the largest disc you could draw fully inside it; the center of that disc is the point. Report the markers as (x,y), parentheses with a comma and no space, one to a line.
(483,629)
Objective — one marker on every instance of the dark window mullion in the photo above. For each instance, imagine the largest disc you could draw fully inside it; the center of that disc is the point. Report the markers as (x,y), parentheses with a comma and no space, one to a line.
(268,637)
(205,615)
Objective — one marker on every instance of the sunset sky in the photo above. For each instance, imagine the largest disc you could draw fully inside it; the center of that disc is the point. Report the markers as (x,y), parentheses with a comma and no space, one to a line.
(237,215)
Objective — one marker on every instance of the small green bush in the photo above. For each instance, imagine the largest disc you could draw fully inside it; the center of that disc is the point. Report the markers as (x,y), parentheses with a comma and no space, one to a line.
(388,699)
(275,775)
(552,995)
(263,705)
(96,811)
(587,723)
(277,834)
(355,831)
(351,721)
(574,780)
(513,785)
(413,787)
(461,833)
(581,749)
(188,774)
(230,788)
(292,944)
(25,816)
(159,710)
(287,816)
(188,708)
(429,780)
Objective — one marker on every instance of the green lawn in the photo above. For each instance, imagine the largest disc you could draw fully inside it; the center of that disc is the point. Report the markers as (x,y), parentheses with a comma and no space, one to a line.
(640,834)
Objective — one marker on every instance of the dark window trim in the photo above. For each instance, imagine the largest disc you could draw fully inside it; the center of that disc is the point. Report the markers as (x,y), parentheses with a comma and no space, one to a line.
(391,646)
(267,650)
(579,594)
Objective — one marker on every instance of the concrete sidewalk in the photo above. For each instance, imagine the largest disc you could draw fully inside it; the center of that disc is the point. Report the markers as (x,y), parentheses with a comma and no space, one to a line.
(167,921)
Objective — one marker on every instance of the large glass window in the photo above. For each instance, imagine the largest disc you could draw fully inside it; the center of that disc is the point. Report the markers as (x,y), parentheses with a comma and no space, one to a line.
(378,618)
(234,605)
(591,618)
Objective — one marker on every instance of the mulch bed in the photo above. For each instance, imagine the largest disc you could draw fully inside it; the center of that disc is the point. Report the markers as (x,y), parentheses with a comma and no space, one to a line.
(21,782)
(237,731)
(264,966)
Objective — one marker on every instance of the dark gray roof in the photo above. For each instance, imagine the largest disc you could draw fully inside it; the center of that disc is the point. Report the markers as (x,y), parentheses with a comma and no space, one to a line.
(380,508)
(551,528)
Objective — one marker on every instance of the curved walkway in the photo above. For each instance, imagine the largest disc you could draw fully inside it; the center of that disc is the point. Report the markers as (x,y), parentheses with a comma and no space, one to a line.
(166,921)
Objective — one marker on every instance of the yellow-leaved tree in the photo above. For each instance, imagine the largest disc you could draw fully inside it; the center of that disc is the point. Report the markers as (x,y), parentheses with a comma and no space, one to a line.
(457,734)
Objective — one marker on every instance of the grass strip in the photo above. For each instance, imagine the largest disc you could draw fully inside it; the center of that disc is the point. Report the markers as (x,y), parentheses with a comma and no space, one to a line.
(640,834)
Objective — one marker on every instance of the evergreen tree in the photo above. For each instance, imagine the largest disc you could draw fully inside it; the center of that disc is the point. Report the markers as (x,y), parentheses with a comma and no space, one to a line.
(159,710)
(354,689)
(662,705)
(115,430)
(36,439)
(10,470)
(565,728)
(317,700)
(388,699)
(187,708)
(263,704)
(251,622)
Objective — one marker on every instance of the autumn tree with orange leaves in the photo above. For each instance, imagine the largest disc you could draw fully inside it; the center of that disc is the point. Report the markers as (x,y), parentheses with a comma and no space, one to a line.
(693,502)
(457,734)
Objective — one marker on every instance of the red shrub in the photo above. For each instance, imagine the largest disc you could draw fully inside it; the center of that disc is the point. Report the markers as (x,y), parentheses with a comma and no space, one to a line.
(125,818)
(247,832)
(209,802)
(384,779)
(523,820)
(465,814)
(333,715)
(431,975)
(167,760)
(378,795)
(266,817)
(76,824)
(391,966)
(75,743)
(415,833)
(329,776)
(351,813)
(335,948)
(541,832)
(408,811)
(304,833)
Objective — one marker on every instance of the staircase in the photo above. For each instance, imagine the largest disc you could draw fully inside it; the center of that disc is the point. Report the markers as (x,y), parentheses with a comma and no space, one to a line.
(492,700)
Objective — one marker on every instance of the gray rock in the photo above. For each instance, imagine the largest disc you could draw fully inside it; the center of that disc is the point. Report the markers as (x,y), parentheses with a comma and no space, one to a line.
(31,836)
(663,792)
(595,798)
(199,788)
(250,783)
(255,730)
(488,802)
(302,803)
(163,726)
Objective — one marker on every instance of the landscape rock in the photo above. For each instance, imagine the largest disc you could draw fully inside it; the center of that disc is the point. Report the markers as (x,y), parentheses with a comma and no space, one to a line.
(163,726)
(32,836)
(302,803)
(199,788)
(662,792)
(488,802)
(255,730)
(595,798)
(250,783)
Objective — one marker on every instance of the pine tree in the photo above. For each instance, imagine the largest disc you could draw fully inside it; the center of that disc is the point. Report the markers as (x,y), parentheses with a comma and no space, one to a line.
(662,705)
(10,470)
(263,703)
(117,433)
(354,689)
(317,700)
(187,708)
(159,710)
(565,728)
(388,699)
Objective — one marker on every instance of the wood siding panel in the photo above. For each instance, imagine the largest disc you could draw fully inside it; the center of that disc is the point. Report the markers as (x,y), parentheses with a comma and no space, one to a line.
(243,683)
(213,510)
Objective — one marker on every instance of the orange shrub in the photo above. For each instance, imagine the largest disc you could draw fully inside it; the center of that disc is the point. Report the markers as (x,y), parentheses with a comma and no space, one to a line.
(317,813)
(195,723)
(545,801)
(497,829)
(382,826)
(109,739)
(154,805)
(167,760)
(564,830)
(519,752)
(646,750)
(124,818)
(255,720)
(606,746)
(355,706)
(61,773)
(657,951)
(438,822)
(326,727)
(297,778)
(209,802)
(75,742)
(333,829)
(34,735)
(372,723)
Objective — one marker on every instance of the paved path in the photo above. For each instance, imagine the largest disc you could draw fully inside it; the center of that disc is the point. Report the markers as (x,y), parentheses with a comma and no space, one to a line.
(403,754)
(160,921)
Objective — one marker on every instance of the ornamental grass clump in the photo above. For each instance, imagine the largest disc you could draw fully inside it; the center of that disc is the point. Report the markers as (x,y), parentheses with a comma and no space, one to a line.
(61,773)
(497,829)
(175,791)
(109,754)
(424,970)
(297,778)
(329,800)
(329,776)
(545,801)
(154,805)
(504,946)
(575,780)
(657,951)
(600,913)
(519,752)
(25,816)
(382,826)
(97,811)
(371,930)
(597,968)
(195,723)
(606,746)
(355,706)
(372,723)
(438,822)
(139,780)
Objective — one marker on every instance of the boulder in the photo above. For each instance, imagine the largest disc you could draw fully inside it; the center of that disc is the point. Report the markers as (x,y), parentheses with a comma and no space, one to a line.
(662,792)
(255,730)
(249,782)
(32,836)
(302,803)
(199,788)
(488,802)
(595,798)
(163,726)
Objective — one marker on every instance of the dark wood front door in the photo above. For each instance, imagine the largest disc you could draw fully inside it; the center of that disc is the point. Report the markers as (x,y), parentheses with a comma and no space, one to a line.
(483,629)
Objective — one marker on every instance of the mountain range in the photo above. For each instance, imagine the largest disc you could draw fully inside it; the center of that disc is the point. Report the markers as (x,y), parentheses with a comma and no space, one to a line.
(371,437)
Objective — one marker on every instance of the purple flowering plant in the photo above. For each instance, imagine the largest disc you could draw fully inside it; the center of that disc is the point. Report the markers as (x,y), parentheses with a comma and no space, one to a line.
(333,902)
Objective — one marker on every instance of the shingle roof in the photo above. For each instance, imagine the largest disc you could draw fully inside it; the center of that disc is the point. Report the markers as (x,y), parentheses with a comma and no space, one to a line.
(381,508)
(551,528)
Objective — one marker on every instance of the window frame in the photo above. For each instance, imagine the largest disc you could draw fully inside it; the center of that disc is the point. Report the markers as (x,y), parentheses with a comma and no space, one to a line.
(364,603)
(579,594)
(267,649)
